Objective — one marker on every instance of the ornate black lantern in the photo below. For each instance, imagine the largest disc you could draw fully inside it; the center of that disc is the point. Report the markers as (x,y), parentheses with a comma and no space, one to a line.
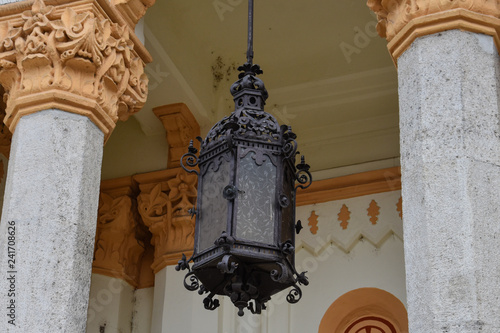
(245,215)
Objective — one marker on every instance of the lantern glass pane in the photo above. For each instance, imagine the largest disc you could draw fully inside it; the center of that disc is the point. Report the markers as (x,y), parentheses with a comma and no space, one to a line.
(213,212)
(256,200)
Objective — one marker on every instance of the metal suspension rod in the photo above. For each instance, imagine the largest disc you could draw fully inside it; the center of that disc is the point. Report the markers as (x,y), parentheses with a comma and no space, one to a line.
(250,32)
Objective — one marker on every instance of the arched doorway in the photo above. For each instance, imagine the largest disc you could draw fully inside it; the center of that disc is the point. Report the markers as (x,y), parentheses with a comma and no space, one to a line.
(365,310)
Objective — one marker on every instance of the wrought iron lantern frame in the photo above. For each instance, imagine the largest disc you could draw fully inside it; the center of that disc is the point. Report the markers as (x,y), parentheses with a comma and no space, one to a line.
(249,271)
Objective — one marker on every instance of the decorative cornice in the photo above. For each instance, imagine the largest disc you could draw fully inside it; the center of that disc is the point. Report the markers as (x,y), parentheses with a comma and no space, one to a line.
(164,203)
(181,127)
(402,21)
(73,57)
(122,241)
(351,186)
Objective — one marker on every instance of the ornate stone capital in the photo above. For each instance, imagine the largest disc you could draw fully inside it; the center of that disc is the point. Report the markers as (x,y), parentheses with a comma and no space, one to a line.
(122,241)
(164,203)
(402,21)
(73,57)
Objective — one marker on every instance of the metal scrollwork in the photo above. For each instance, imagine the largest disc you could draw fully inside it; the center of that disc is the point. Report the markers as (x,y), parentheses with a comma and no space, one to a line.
(225,240)
(202,290)
(287,247)
(183,264)
(294,295)
(210,303)
(303,176)
(280,275)
(193,284)
(189,161)
(290,147)
(226,265)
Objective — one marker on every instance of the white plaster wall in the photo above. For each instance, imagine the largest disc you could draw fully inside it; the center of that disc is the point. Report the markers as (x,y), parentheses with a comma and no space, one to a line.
(143,309)
(118,307)
(337,260)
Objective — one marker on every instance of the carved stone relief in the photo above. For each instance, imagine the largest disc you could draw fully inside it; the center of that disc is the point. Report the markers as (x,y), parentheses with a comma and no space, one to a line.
(393,15)
(402,21)
(76,60)
(121,241)
(164,206)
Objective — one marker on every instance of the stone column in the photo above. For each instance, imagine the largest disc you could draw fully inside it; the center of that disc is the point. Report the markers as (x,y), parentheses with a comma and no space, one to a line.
(448,72)
(69,72)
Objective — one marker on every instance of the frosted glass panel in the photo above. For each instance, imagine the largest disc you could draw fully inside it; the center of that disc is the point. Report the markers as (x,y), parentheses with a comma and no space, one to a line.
(256,200)
(213,213)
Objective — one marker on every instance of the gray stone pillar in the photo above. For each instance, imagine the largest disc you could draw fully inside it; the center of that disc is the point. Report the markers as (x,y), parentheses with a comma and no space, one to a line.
(450,160)
(48,224)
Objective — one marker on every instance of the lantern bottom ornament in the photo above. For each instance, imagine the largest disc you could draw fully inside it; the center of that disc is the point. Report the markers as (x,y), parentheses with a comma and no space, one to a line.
(249,280)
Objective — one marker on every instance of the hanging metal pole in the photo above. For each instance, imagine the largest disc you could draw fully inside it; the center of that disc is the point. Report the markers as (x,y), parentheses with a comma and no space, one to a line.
(250,32)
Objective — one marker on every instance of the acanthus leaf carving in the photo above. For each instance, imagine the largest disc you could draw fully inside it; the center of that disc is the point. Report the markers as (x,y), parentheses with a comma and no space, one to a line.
(80,57)
(117,250)
(164,207)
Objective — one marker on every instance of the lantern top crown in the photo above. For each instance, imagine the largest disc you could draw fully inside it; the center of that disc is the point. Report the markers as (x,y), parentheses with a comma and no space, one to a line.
(249,85)
(249,120)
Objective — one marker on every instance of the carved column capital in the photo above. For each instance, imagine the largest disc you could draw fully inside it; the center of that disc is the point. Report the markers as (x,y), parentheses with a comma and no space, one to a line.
(122,242)
(402,21)
(77,56)
(164,204)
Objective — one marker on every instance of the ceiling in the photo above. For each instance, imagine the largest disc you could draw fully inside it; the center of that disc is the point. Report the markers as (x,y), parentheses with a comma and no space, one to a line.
(327,72)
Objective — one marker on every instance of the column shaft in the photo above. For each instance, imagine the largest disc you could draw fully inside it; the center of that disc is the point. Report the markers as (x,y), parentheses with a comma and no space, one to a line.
(51,200)
(450,156)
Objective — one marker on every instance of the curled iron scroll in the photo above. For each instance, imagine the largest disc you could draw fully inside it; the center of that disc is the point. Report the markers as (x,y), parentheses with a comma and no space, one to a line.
(303,176)
(189,161)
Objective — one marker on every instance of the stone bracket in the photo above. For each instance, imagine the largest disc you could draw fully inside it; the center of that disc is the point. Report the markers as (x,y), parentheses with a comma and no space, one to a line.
(181,127)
